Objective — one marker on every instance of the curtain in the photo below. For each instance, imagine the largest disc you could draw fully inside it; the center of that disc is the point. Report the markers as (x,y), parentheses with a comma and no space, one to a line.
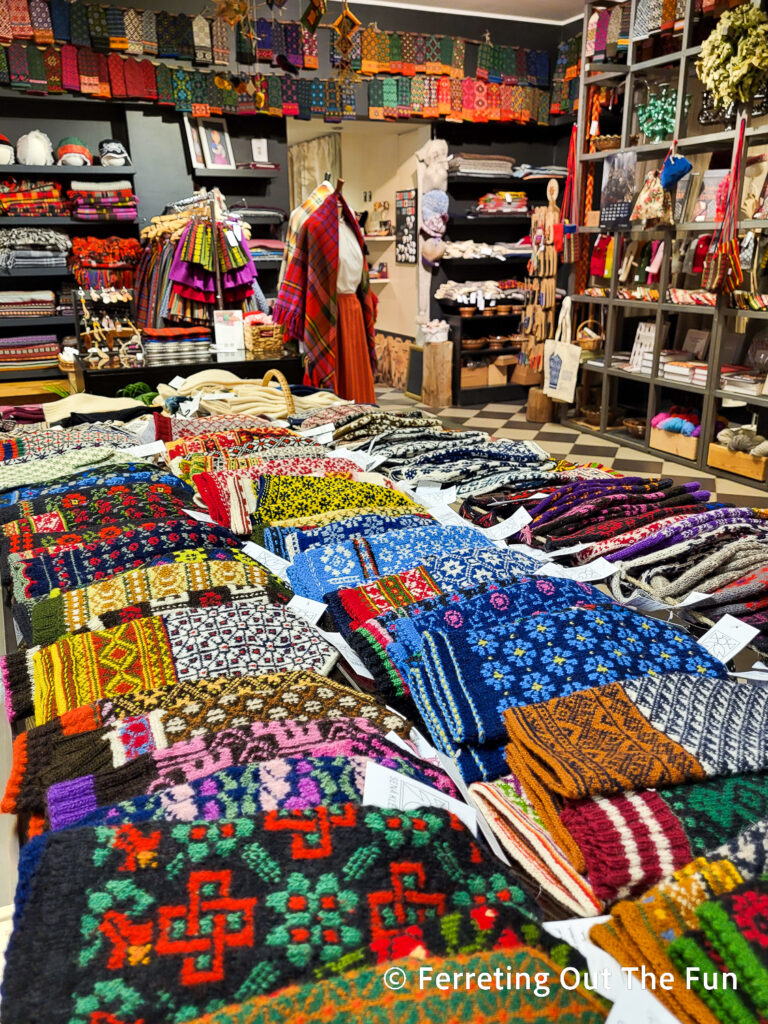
(308,163)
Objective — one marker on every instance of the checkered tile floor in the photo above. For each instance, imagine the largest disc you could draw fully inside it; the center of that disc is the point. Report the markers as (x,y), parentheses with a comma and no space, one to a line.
(508,420)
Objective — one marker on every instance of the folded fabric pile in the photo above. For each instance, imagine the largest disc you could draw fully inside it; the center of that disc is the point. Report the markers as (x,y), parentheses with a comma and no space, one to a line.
(105,262)
(28,352)
(33,249)
(27,303)
(166,346)
(114,200)
(32,198)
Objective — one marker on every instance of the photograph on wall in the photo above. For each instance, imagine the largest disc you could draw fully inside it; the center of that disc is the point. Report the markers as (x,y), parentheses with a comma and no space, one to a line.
(216,144)
(194,145)
(405,226)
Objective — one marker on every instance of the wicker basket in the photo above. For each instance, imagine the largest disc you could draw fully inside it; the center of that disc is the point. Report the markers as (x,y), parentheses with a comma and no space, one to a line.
(590,336)
(273,374)
(603,142)
(263,340)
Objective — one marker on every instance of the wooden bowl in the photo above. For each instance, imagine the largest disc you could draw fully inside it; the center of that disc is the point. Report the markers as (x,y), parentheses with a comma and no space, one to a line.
(466,311)
(635,427)
(473,343)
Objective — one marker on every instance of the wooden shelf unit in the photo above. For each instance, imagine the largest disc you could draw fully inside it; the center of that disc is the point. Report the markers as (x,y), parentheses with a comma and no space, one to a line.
(714,317)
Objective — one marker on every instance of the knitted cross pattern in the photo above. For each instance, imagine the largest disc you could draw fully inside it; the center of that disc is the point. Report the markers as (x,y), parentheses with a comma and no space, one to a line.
(140,502)
(229,440)
(363,995)
(157,652)
(43,442)
(170,428)
(74,799)
(73,610)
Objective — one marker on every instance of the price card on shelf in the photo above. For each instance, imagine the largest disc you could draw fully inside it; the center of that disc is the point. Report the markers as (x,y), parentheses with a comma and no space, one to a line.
(268,559)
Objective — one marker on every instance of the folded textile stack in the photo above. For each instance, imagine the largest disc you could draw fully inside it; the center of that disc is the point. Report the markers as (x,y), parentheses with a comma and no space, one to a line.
(92,200)
(166,346)
(33,248)
(27,303)
(28,352)
(32,198)
(481,165)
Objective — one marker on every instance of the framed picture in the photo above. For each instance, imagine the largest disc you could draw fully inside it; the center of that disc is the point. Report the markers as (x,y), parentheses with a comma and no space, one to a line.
(259,151)
(217,147)
(194,145)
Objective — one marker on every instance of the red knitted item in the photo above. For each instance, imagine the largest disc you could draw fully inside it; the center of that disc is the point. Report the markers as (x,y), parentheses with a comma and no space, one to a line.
(629,842)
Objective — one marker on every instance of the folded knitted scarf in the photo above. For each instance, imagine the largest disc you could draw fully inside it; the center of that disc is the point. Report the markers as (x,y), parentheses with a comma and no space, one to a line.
(299,892)
(230,440)
(525,839)
(391,643)
(35,577)
(281,497)
(229,493)
(189,466)
(642,932)
(128,473)
(75,610)
(62,747)
(293,783)
(601,499)
(94,505)
(454,572)
(470,675)
(72,800)
(289,542)
(318,571)
(364,995)
(39,469)
(170,428)
(660,730)
(49,442)
(185,644)
(730,936)
(633,840)
(693,526)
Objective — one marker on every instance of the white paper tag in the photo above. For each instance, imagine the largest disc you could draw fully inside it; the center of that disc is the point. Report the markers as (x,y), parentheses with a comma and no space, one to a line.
(143,450)
(600,569)
(320,433)
(727,637)
(189,408)
(268,559)
(695,597)
(429,494)
(574,549)
(645,603)
(306,608)
(422,744)
(201,517)
(337,640)
(359,457)
(452,771)
(376,462)
(480,301)
(639,1006)
(231,237)
(536,553)
(508,527)
(389,789)
(176,383)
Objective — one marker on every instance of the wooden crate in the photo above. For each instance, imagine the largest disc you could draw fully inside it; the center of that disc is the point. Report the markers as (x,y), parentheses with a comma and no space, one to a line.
(497,375)
(742,463)
(474,377)
(675,444)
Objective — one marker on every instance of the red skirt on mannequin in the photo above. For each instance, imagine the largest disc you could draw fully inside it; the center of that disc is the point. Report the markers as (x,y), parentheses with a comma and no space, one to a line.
(354,375)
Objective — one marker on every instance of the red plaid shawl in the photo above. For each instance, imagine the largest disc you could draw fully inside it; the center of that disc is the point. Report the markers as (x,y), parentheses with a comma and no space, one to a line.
(306,305)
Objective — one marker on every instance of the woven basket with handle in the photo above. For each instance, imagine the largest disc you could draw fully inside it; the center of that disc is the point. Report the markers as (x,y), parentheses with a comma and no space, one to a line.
(273,374)
(590,335)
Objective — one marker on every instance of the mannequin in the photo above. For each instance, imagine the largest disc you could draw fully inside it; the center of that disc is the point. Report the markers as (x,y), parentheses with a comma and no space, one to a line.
(325,301)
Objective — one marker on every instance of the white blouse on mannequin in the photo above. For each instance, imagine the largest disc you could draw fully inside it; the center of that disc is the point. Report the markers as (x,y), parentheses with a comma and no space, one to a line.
(350,269)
